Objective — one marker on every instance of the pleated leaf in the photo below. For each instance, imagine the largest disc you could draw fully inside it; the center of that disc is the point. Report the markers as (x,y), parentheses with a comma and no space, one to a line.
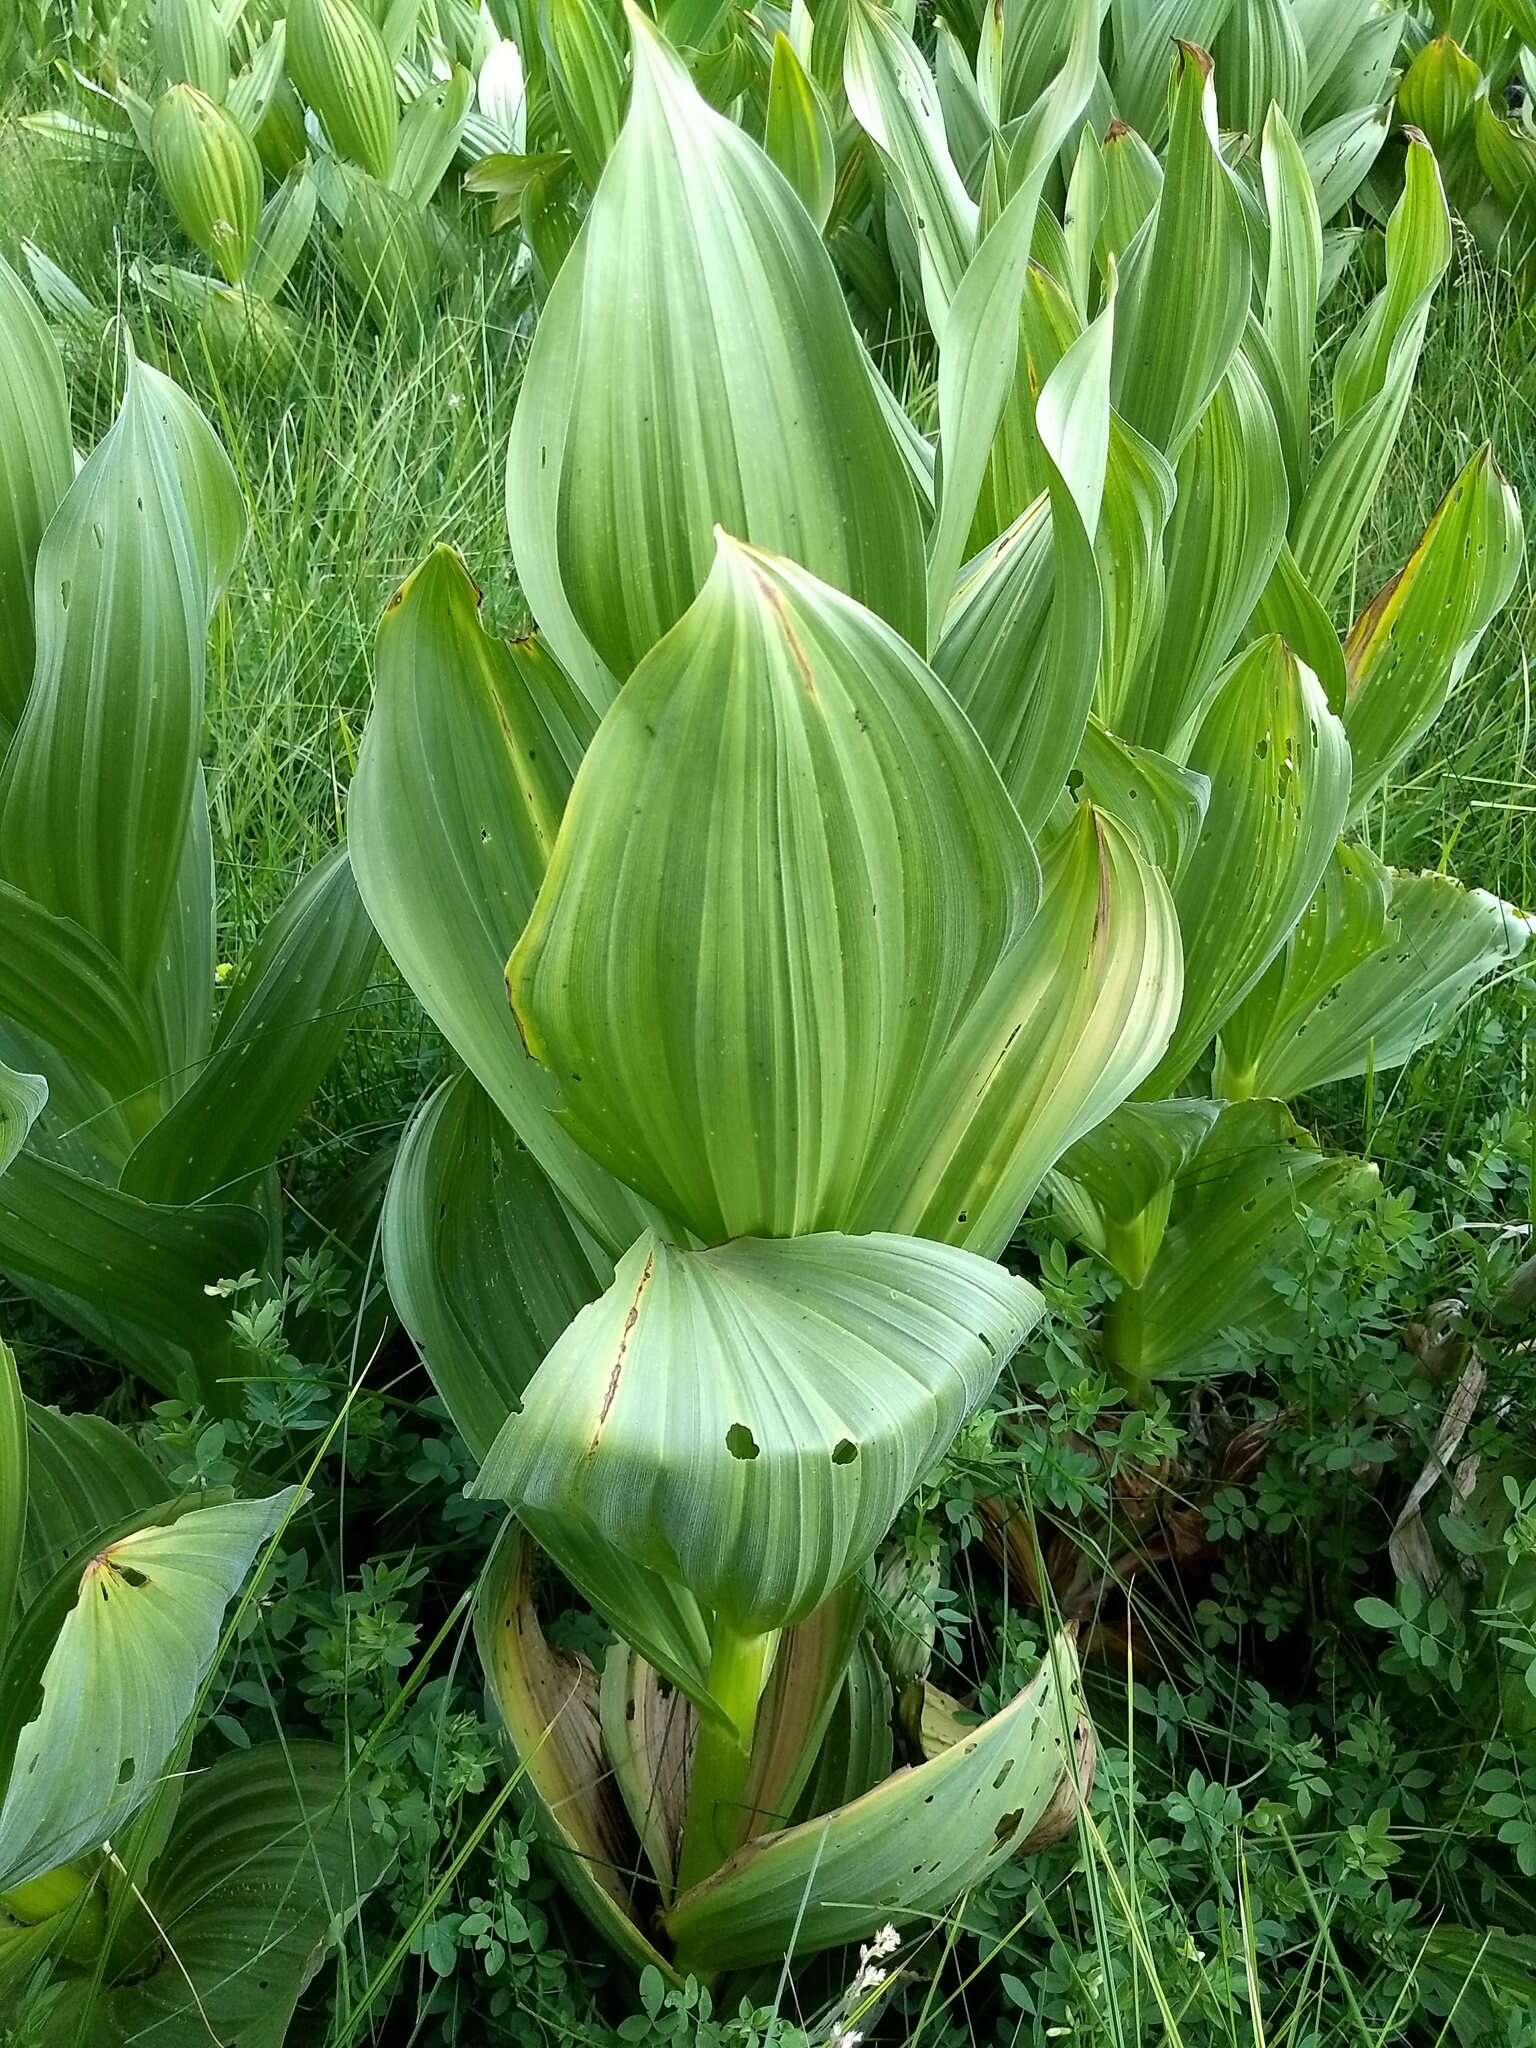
(1412,644)
(749,1420)
(695,365)
(83,1475)
(465,767)
(14,1480)
(1141,34)
(1338,1005)
(36,464)
(1278,764)
(1163,804)
(1188,279)
(485,1264)
(904,1851)
(268,1860)
(797,134)
(1107,1183)
(1238,1216)
(1373,378)
(724,990)
(1292,284)
(97,786)
(1072,1020)
(121,1679)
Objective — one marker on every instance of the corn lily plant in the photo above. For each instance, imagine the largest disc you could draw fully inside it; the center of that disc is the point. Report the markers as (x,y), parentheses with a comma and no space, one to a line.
(859,833)
(149,1175)
(133,1897)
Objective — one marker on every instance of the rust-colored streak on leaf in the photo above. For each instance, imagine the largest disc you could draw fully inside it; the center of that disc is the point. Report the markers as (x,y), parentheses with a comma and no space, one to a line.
(610,1393)
(1101,907)
(1363,632)
(792,641)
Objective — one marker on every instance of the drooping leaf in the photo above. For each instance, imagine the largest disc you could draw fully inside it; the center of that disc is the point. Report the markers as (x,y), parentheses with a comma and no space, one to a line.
(547,1703)
(268,1860)
(97,786)
(724,991)
(36,464)
(1413,642)
(121,1679)
(1278,764)
(1378,966)
(465,768)
(486,1266)
(1238,1212)
(748,1420)
(905,1850)
(698,300)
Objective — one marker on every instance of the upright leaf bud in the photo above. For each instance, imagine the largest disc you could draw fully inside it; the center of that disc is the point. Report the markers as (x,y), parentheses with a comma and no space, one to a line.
(337,60)
(191,46)
(211,176)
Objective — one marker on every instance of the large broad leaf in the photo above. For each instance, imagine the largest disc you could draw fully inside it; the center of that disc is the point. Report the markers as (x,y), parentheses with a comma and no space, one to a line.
(1278,765)
(269,1858)
(1373,378)
(1412,644)
(1261,65)
(1115,1186)
(1073,1018)
(96,788)
(150,1264)
(36,464)
(547,1703)
(749,1420)
(1188,277)
(724,990)
(905,1850)
(282,1024)
(696,365)
(122,1678)
(84,1475)
(1138,63)
(465,768)
(486,1266)
(1378,966)
(1238,1217)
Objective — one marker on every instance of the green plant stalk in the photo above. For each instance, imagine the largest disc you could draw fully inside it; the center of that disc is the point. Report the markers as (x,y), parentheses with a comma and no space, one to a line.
(722,1755)
(1131,1248)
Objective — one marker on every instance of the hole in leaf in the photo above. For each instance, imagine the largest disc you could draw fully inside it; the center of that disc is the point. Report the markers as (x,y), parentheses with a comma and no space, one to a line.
(740,1442)
(1002,1777)
(125,1770)
(1008,1826)
(844,1451)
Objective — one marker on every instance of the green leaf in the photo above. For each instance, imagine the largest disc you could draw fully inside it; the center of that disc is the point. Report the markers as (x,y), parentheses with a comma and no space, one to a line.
(1238,1211)
(798,133)
(858,1747)
(268,1860)
(144,1266)
(429,137)
(14,1480)
(1075,1015)
(724,990)
(1373,378)
(1292,286)
(282,1025)
(895,101)
(465,768)
(1278,764)
(209,170)
(1378,966)
(339,64)
(811,1668)
(587,81)
(699,300)
(1163,804)
(547,1703)
(1413,643)
(486,1266)
(1340,155)
(1439,94)
(1220,548)
(84,1475)
(1289,607)
(1141,34)
(97,786)
(122,1678)
(286,220)
(36,464)
(903,1851)
(1261,65)
(22,1100)
(749,1420)
(1188,277)
(1140,492)
(1114,1187)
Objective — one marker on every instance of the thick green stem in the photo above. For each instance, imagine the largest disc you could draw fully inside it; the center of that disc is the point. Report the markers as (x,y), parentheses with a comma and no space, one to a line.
(1123,1346)
(716,1808)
